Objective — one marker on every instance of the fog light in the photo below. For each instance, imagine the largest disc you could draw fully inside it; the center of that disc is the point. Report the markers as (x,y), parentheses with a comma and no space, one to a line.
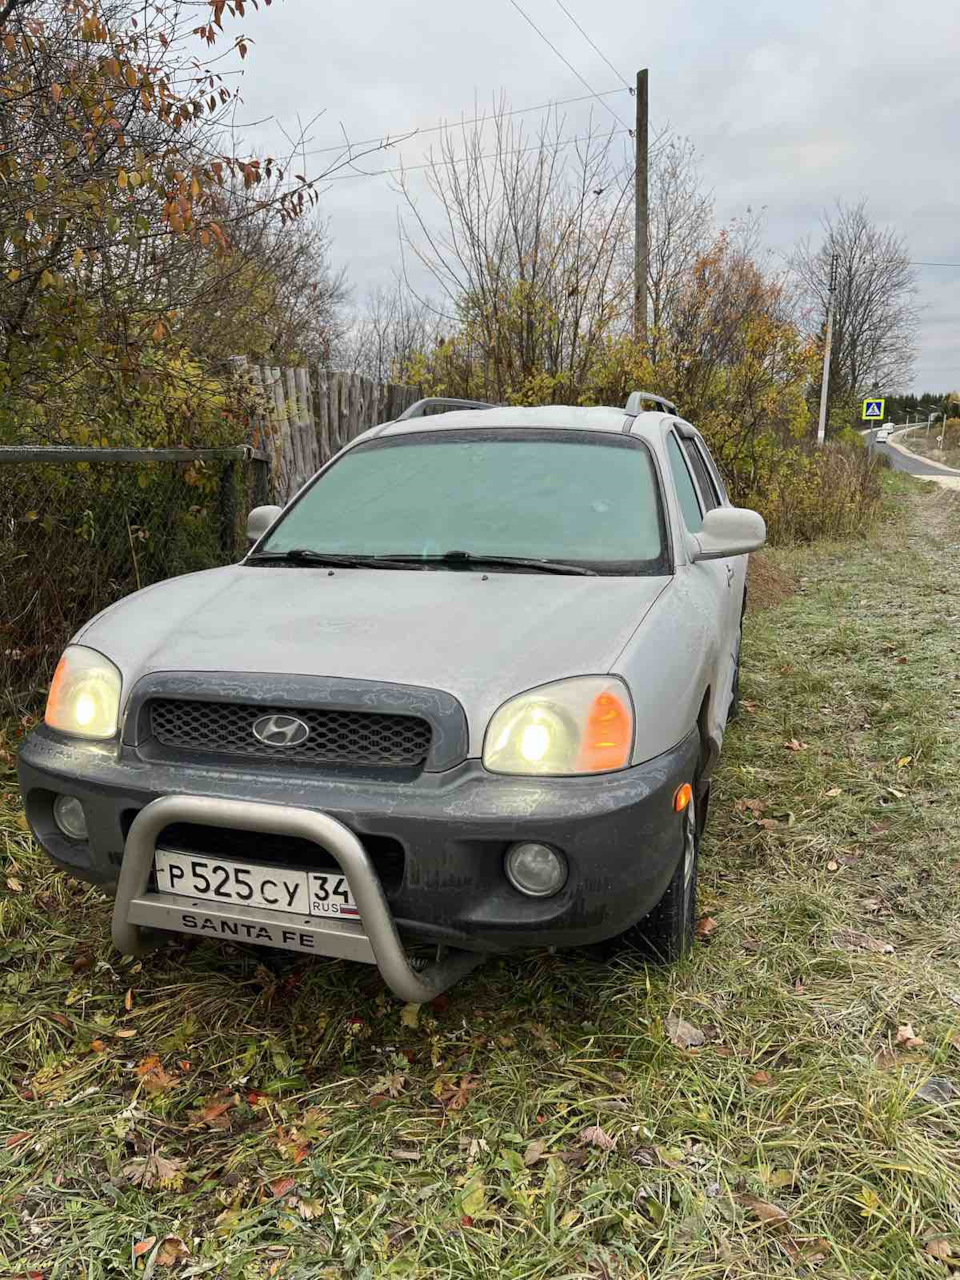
(70,818)
(536,869)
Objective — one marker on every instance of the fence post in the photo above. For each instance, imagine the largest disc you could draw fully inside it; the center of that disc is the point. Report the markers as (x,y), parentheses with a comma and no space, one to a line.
(261,481)
(227,503)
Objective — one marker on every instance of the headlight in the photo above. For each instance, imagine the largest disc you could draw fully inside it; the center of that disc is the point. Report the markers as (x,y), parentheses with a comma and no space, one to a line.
(584,725)
(84,698)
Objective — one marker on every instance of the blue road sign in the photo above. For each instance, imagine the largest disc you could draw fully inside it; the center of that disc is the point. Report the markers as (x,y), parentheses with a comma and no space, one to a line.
(873,410)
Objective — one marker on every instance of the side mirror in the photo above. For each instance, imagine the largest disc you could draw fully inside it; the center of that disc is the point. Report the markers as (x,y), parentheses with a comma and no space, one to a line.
(259,521)
(729,531)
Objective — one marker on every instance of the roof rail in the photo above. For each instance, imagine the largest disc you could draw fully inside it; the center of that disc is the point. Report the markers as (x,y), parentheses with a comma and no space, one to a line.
(440,404)
(636,400)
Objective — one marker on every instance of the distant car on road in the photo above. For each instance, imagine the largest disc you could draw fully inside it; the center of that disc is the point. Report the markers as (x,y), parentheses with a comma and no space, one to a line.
(883,433)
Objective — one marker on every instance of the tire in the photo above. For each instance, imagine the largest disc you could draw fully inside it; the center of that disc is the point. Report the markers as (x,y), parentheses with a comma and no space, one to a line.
(667,932)
(734,710)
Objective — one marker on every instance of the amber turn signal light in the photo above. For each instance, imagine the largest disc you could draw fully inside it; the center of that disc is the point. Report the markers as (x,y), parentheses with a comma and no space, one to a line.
(682,797)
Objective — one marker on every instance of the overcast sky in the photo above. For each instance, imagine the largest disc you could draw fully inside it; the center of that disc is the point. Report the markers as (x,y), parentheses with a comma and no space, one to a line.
(790,107)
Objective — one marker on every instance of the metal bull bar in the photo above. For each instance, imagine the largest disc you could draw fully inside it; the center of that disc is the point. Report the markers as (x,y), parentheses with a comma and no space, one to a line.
(138,913)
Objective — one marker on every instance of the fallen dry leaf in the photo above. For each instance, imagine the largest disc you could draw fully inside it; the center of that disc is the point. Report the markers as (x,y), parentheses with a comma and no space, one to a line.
(942,1250)
(410,1015)
(16,1139)
(309,1208)
(14,885)
(128,1000)
(172,1251)
(851,940)
(752,945)
(154,1077)
(144,1246)
(938,1089)
(796,745)
(398,1153)
(593,1136)
(833,866)
(833,792)
(706,927)
(907,1037)
(153,1170)
(83,961)
(683,1034)
(535,1151)
(282,1186)
(884,1059)
(456,1097)
(753,806)
(765,1210)
(125,1033)
(761,1078)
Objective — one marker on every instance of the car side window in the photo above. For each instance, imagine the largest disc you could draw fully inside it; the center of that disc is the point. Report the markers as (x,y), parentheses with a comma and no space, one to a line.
(708,489)
(686,492)
(714,470)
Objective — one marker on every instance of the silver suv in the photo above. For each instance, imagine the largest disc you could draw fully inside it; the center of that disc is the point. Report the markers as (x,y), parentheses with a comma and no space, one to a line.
(464,695)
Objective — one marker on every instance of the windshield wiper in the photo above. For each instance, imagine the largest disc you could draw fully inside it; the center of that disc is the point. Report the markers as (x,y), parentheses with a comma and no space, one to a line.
(333,559)
(469,560)
(451,559)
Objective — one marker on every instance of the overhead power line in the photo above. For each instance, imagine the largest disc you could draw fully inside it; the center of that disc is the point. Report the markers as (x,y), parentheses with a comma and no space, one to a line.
(418,132)
(569,65)
(490,155)
(935,264)
(598,52)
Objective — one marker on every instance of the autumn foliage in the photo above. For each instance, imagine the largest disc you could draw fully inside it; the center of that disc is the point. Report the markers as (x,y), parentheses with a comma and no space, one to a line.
(120,196)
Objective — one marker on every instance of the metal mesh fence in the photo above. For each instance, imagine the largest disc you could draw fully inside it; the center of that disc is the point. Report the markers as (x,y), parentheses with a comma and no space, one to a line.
(81,528)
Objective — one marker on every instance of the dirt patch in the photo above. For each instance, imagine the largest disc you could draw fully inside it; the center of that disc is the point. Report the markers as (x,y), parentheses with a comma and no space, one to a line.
(767,584)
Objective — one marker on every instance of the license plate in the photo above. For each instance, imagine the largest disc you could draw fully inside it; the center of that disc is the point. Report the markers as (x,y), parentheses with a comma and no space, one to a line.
(315,893)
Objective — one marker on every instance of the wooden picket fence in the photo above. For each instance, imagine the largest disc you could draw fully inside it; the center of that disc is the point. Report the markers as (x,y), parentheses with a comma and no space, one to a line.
(314,413)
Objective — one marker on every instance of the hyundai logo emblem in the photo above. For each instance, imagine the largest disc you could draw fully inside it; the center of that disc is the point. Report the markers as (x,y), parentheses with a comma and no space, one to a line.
(280,731)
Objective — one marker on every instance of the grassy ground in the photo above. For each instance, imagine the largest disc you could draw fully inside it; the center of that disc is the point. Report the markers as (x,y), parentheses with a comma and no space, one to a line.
(198,1114)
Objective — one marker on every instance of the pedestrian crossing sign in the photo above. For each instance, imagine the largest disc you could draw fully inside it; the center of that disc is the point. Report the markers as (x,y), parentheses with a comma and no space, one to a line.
(873,410)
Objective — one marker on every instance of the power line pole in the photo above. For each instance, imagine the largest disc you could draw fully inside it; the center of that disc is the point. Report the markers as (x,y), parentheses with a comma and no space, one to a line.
(641,243)
(827,349)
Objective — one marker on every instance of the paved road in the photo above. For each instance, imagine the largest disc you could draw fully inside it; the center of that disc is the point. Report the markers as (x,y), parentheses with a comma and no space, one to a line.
(914,466)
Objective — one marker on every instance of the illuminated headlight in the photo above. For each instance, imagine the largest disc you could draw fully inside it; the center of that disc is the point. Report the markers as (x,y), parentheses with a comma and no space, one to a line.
(84,698)
(583,725)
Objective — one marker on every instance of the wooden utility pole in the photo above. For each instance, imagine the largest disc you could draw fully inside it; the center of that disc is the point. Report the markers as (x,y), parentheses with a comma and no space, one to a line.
(827,350)
(641,244)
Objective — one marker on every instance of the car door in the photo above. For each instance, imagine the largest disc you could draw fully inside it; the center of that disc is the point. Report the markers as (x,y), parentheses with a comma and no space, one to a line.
(712,581)
(714,495)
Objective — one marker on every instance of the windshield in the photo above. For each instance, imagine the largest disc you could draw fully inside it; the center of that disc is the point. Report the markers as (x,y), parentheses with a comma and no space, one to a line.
(560,496)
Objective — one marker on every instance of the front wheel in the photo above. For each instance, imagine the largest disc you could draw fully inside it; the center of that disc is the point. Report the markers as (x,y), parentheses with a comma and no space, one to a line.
(668,930)
(666,934)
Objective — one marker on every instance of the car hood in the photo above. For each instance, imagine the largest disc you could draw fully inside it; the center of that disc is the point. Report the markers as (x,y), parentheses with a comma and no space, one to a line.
(481,637)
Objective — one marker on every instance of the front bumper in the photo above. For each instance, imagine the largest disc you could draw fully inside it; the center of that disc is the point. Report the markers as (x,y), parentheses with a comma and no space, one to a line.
(619,833)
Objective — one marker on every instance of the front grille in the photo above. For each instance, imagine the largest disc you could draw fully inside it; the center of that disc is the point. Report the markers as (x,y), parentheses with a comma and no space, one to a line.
(359,738)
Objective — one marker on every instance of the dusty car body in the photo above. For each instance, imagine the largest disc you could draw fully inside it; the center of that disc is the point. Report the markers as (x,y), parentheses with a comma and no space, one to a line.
(466,692)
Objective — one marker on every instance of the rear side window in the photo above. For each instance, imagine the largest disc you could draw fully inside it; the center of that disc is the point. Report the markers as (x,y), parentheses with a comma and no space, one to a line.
(708,489)
(714,470)
(686,492)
